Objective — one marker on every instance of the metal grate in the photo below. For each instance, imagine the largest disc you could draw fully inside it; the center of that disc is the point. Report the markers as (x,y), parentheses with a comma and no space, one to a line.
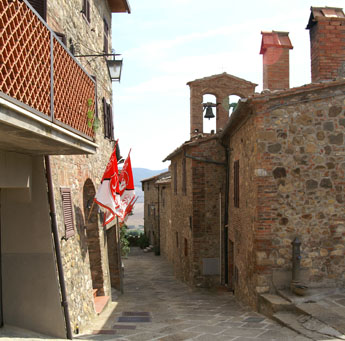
(24,56)
(25,69)
(72,90)
(135,313)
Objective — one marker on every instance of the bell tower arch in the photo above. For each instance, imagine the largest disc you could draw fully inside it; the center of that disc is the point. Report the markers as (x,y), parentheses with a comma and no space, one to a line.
(221,86)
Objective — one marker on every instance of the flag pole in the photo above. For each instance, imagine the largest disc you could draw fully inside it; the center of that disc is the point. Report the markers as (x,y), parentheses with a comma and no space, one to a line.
(88,218)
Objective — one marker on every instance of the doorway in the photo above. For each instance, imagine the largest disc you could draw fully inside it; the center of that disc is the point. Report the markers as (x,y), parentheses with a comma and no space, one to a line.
(231,266)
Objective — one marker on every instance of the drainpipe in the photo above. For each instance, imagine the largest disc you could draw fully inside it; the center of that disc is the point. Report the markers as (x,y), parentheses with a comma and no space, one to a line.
(226,215)
(57,247)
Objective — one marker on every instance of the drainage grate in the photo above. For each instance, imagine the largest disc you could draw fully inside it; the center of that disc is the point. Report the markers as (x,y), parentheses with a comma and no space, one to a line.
(134,319)
(135,313)
(254,319)
(104,332)
(123,326)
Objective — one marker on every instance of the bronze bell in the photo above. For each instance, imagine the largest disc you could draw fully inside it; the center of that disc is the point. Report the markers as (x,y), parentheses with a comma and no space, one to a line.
(209,113)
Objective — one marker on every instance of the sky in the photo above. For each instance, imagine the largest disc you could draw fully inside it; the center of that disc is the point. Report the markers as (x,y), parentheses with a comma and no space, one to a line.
(165,44)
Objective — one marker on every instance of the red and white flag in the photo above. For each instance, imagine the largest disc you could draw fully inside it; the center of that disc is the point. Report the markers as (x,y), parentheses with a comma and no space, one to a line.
(126,187)
(107,195)
(129,208)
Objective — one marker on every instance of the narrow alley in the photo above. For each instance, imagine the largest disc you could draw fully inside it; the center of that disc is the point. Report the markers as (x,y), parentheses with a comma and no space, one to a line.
(156,306)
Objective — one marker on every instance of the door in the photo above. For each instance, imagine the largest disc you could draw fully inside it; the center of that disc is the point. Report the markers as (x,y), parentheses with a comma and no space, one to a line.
(1,313)
(231,266)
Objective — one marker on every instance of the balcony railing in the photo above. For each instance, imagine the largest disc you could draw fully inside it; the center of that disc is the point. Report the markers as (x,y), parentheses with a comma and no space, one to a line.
(38,71)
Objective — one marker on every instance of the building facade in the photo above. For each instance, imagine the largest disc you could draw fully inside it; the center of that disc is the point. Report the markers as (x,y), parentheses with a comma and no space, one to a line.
(286,174)
(56,133)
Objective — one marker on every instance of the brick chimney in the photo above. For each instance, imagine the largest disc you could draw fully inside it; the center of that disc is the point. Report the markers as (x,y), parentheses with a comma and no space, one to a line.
(327,43)
(275,48)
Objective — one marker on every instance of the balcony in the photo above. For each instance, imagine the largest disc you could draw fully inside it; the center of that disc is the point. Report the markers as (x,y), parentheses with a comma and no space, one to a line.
(45,93)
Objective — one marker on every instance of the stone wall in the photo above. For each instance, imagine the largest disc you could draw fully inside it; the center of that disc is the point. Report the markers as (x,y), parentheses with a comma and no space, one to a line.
(83,173)
(166,235)
(196,221)
(241,258)
(291,146)
(181,217)
(151,210)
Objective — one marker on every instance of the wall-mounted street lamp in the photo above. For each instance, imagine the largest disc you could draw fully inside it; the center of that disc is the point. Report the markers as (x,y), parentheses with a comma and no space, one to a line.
(114,65)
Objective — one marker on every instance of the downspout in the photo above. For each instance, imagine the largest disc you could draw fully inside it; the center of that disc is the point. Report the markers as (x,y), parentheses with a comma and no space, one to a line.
(226,215)
(57,247)
(158,225)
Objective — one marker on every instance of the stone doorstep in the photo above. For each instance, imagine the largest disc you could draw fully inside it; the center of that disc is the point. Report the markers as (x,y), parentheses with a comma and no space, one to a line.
(100,302)
(269,304)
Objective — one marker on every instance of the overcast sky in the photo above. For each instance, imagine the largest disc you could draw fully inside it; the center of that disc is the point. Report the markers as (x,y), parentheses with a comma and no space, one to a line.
(166,44)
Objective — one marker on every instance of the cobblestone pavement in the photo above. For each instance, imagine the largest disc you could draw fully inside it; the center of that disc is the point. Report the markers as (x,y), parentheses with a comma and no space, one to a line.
(156,306)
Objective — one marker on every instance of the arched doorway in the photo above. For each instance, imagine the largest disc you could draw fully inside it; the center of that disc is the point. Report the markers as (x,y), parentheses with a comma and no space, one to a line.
(93,240)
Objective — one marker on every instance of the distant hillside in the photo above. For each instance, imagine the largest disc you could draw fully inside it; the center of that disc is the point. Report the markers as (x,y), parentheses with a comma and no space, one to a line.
(144,173)
(139,174)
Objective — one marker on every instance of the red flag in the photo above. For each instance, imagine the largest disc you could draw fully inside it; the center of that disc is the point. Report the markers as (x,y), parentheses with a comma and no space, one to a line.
(129,208)
(107,194)
(126,186)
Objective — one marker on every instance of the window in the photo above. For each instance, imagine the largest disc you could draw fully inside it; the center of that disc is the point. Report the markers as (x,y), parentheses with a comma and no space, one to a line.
(62,37)
(41,7)
(184,176)
(106,34)
(237,183)
(186,247)
(175,178)
(176,239)
(148,210)
(108,120)
(86,10)
(67,211)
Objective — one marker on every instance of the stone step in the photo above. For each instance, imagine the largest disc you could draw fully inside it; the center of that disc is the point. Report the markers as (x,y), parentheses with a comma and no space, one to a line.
(100,303)
(270,304)
(326,315)
(307,326)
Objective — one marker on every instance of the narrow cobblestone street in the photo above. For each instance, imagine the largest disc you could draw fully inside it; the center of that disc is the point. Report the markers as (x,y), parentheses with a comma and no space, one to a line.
(155,306)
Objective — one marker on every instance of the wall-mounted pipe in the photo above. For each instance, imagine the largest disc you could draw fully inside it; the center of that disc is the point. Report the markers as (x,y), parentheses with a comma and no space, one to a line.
(57,247)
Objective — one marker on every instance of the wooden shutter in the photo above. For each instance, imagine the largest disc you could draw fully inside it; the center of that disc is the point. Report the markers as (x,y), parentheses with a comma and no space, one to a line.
(108,120)
(67,211)
(184,176)
(41,7)
(86,10)
(106,34)
(105,116)
(62,37)
(237,183)
(175,178)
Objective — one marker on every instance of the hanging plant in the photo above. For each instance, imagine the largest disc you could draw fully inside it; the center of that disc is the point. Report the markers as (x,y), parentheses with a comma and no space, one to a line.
(92,121)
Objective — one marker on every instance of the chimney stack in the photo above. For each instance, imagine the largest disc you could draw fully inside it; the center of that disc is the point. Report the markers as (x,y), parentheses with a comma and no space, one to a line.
(327,43)
(275,48)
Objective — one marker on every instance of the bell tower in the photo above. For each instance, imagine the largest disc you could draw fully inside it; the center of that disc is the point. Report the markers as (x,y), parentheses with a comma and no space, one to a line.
(221,86)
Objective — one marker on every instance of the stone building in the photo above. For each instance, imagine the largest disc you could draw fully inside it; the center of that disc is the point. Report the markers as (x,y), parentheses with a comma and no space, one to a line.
(198,179)
(56,134)
(271,172)
(286,166)
(157,209)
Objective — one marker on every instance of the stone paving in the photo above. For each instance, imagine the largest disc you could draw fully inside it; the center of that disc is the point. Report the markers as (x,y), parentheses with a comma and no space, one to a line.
(169,310)
(156,306)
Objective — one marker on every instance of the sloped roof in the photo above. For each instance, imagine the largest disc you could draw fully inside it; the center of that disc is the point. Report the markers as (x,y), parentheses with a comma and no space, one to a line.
(196,140)
(119,6)
(156,177)
(275,39)
(324,13)
(244,107)
(223,75)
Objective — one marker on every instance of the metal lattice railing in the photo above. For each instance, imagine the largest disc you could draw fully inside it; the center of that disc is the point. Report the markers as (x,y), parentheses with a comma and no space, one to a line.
(26,53)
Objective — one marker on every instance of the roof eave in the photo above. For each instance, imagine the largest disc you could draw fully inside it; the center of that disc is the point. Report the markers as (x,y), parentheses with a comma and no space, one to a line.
(119,6)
